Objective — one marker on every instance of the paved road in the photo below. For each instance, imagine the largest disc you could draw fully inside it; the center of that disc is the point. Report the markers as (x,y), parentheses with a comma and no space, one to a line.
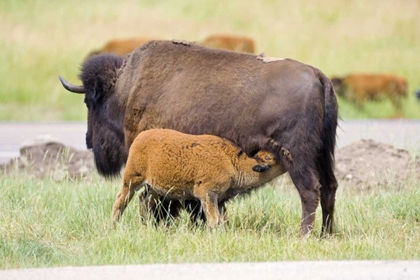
(313,270)
(400,133)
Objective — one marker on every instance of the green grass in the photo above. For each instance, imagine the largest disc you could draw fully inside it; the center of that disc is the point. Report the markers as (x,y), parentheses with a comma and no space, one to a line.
(46,223)
(41,39)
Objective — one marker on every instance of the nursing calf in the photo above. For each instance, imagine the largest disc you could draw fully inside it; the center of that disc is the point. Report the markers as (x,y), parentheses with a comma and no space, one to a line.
(181,166)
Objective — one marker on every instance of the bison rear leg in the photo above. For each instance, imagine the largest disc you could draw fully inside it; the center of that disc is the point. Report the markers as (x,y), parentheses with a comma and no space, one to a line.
(308,187)
(328,190)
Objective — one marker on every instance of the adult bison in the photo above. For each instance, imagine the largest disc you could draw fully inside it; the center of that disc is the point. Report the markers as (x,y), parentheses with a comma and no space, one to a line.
(259,103)
(360,87)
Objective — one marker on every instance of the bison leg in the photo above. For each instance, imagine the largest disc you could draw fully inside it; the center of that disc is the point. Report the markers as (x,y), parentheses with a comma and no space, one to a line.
(209,202)
(327,205)
(328,190)
(195,210)
(308,187)
(150,202)
(223,212)
(130,185)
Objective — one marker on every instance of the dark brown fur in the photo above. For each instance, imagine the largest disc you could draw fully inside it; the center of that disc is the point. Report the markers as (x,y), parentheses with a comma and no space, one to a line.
(360,87)
(256,104)
(182,166)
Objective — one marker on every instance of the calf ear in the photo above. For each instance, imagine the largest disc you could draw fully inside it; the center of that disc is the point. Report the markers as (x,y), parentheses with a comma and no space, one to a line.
(261,167)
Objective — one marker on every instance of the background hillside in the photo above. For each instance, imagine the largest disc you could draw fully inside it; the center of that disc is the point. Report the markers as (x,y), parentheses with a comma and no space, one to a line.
(41,39)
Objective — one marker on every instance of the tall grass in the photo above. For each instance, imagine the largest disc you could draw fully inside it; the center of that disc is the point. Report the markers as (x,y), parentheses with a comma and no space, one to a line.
(42,39)
(48,223)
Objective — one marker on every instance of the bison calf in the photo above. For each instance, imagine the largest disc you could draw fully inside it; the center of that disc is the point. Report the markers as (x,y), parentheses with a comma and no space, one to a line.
(361,87)
(201,167)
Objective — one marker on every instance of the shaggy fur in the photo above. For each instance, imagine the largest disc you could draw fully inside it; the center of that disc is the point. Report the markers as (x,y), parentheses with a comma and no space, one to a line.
(284,106)
(229,42)
(360,87)
(203,167)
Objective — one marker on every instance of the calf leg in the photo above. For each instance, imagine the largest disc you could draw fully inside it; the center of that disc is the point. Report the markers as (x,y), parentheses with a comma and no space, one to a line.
(130,185)
(209,202)
(223,213)
(211,210)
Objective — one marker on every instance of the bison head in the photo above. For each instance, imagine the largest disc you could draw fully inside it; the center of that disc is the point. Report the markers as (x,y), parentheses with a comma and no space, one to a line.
(105,134)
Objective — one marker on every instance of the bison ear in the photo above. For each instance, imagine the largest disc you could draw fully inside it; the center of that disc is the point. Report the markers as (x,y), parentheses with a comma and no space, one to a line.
(261,167)
(96,93)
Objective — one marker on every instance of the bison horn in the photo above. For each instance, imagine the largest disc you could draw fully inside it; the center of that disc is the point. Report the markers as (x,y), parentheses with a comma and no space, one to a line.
(70,87)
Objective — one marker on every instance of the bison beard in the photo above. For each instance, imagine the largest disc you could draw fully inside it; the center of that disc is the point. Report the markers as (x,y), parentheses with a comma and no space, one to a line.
(282,106)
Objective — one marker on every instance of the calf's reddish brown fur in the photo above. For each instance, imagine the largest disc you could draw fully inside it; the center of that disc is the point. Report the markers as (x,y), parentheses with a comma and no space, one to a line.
(183,167)
(360,87)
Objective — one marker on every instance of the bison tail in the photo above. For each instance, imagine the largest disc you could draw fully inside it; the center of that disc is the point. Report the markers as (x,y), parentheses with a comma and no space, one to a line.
(326,160)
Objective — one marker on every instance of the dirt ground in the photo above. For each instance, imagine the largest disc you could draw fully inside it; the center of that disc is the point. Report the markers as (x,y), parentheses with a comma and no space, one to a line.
(363,163)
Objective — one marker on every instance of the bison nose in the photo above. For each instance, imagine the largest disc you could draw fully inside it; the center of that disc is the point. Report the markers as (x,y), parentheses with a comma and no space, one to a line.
(261,167)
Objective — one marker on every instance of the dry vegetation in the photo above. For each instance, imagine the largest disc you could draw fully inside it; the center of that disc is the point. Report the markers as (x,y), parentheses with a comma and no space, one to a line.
(50,223)
(41,39)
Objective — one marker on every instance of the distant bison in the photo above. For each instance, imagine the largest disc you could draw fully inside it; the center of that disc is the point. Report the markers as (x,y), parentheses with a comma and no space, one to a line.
(230,42)
(418,94)
(182,166)
(120,46)
(361,87)
(259,103)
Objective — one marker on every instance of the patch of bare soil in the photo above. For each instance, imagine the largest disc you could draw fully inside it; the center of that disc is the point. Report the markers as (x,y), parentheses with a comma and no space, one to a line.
(48,158)
(369,163)
(362,163)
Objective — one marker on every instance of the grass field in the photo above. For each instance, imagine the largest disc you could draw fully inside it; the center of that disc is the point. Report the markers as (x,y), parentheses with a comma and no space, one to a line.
(48,223)
(41,39)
